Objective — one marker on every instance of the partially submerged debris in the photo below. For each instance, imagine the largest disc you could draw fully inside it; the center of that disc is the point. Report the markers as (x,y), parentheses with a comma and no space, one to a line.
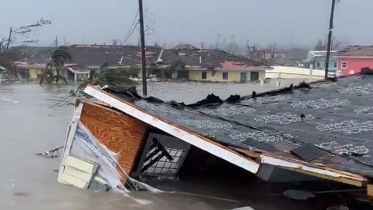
(131,136)
(51,153)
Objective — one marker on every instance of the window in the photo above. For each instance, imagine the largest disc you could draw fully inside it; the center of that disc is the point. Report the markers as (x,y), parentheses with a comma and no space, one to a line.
(204,75)
(318,64)
(335,64)
(225,75)
(344,65)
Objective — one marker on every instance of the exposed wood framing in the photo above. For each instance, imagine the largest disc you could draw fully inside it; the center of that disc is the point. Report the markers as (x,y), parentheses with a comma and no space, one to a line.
(325,173)
(175,130)
(306,168)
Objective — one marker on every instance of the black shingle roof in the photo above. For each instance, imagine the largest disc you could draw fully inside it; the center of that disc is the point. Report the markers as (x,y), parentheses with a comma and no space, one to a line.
(336,117)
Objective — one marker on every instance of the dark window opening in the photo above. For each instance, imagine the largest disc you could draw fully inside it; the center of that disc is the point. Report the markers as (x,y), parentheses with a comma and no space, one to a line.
(204,75)
(225,75)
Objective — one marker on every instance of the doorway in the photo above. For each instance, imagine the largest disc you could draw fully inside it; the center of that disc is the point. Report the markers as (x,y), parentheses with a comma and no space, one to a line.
(254,77)
(243,77)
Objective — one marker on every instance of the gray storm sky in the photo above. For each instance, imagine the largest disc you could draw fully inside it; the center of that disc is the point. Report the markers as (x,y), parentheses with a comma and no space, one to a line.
(287,22)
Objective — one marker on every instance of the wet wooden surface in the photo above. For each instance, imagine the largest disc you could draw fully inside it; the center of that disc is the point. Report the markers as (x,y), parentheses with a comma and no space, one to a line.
(120,133)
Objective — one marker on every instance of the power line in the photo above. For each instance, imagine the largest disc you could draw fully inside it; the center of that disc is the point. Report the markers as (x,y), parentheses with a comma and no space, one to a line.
(132,28)
(151,21)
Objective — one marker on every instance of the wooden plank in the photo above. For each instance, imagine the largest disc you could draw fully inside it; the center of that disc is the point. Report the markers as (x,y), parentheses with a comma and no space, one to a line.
(359,181)
(119,132)
(370,190)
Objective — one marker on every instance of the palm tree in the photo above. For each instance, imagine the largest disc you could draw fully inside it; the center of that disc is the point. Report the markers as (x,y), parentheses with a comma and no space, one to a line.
(105,76)
(56,60)
(176,66)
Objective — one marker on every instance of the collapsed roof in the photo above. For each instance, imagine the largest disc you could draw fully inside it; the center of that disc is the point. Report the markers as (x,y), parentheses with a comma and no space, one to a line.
(325,126)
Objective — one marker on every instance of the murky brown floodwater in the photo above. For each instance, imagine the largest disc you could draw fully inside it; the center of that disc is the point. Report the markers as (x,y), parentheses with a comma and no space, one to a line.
(28,125)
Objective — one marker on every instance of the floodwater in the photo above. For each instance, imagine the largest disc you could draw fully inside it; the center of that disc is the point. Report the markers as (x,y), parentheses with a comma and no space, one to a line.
(30,125)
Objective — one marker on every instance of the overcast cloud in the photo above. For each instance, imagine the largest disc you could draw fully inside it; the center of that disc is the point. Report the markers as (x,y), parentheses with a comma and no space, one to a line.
(287,22)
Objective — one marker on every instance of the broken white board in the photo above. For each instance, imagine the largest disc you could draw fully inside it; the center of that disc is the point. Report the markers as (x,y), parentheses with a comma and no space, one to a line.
(78,172)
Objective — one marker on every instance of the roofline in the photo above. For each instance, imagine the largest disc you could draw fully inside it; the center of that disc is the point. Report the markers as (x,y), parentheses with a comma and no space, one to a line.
(81,71)
(223,152)
(196,68)
(351,56)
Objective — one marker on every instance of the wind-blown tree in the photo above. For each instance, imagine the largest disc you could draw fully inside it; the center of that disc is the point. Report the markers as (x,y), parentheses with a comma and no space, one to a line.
(56,60)
(105,76)
(7,60)
(23,31)
(175,66)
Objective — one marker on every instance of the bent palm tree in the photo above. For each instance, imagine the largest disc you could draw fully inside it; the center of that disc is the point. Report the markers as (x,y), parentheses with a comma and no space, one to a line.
(56,60)
(175,66)
(105,76)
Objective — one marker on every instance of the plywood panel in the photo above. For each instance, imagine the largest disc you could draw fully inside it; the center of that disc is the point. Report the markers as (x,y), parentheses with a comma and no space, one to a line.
(120,133)
(370,190)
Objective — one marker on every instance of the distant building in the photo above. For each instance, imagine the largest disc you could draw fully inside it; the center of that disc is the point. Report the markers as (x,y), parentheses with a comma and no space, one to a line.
(211,65)
(261,55)
(317,60)
(353,58)
(89,57)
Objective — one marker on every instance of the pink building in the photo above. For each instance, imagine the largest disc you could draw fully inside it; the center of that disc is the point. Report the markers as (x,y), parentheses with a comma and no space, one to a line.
(353,58)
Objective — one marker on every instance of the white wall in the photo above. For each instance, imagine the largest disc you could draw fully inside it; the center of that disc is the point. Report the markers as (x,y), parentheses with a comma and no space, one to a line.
(294,73)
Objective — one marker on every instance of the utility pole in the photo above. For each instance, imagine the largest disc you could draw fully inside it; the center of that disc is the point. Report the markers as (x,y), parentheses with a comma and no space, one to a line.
(217,42)
(142,44)
(9,37)
(329,40)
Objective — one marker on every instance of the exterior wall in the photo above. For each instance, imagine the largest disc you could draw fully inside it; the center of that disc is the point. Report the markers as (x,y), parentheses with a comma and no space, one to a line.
(36,72)
(294,73)
(322,62)
(79,77)
(233,76)
(354,65)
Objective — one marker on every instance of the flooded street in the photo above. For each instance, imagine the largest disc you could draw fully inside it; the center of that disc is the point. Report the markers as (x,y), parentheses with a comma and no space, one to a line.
(28,126)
